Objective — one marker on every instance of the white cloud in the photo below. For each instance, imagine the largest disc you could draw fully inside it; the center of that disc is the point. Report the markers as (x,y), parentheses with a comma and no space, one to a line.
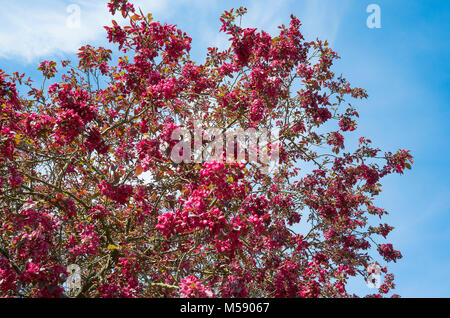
(36,29)
(31,30)
(321,19)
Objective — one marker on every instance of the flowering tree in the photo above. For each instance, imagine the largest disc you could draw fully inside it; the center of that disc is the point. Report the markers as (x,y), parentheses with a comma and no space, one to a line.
(72,157)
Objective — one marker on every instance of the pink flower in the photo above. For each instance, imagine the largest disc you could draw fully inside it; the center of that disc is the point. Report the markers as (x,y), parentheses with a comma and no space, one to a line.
(120,193)
(388,252)
(191,287)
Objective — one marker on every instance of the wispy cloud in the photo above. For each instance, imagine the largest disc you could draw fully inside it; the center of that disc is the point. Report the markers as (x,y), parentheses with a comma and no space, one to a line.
(30,30)
(322,19)
(35,29)
(265,15)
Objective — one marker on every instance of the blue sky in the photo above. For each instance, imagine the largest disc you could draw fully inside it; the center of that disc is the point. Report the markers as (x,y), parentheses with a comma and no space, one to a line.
(404,65)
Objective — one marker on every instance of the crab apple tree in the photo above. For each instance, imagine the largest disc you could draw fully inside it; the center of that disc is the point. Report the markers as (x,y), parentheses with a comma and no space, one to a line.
(74,150)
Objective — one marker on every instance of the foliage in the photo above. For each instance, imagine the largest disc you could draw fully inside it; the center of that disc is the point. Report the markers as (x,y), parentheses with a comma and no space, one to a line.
(72,155)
